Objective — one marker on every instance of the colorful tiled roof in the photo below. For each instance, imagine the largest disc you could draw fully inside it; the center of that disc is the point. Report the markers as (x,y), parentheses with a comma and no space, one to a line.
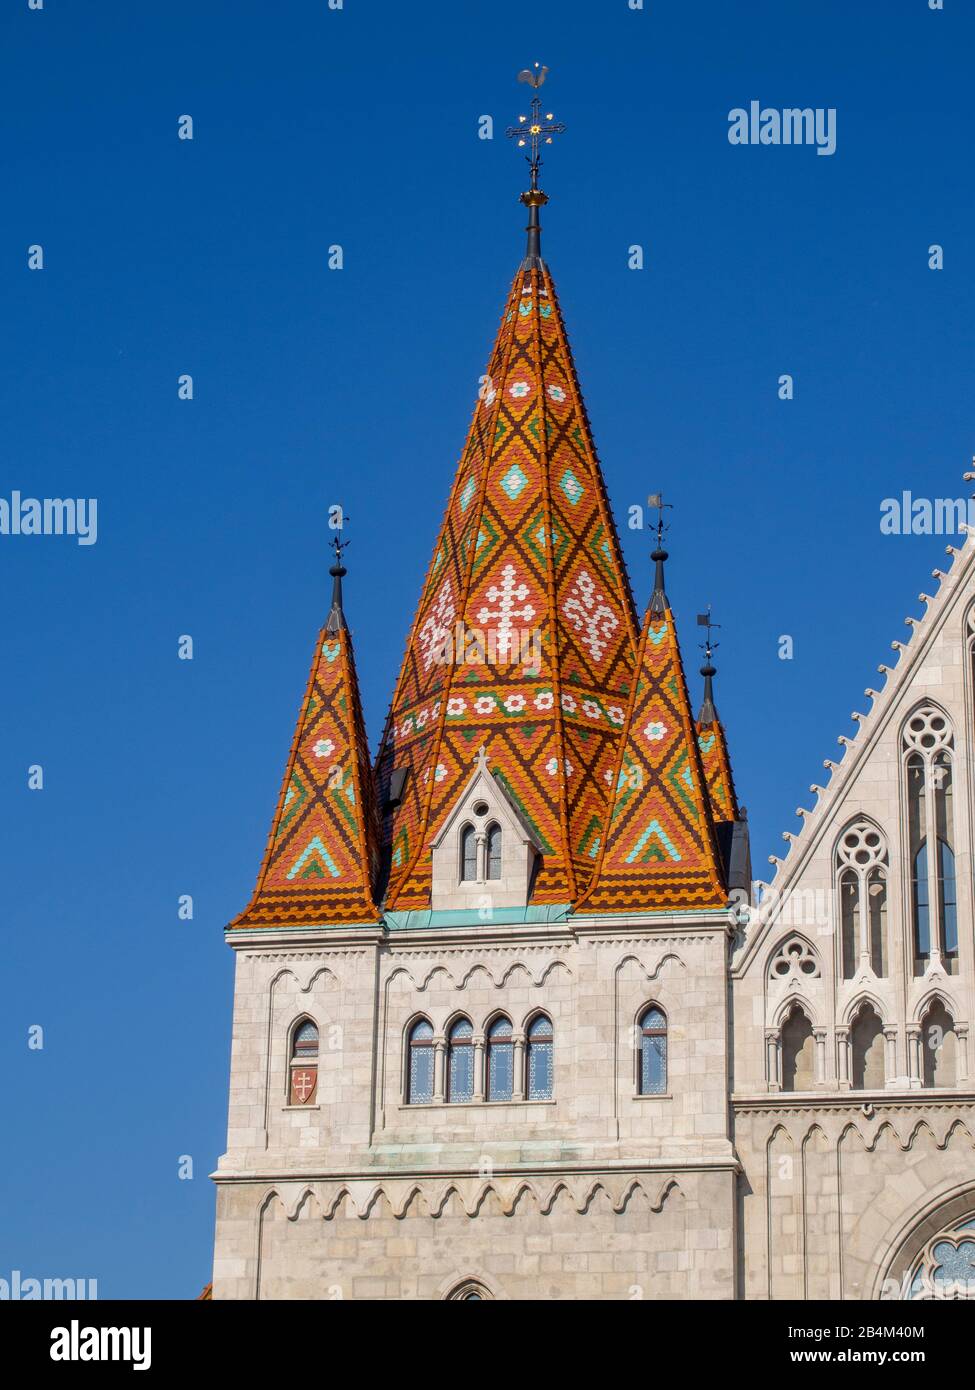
(659,850)
(322,853)
(715,761)
(527,547)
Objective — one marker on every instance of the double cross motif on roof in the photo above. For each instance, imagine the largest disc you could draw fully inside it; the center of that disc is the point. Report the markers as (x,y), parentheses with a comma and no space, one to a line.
(533,130)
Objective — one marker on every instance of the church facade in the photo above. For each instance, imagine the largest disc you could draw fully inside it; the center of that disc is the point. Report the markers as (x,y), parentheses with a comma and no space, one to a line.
(511,1020)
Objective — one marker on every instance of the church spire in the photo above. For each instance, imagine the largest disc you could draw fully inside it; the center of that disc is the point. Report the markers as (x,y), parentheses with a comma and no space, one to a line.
(335,621)
(525,634)
(323,850)
(658,598)
(711,736)
(659,850)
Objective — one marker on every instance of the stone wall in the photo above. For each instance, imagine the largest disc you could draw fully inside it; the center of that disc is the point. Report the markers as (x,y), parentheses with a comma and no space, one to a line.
(828,1192)
(578,1236)
(600,1190)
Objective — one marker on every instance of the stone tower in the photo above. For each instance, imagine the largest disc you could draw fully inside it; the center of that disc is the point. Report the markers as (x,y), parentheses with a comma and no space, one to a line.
(481,1026)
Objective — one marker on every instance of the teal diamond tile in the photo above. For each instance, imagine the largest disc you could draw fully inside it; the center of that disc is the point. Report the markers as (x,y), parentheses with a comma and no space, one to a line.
(571,486)
(514,482)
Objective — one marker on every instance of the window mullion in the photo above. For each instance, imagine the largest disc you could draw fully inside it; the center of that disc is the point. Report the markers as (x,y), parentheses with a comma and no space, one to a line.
(935,889)
(864,917)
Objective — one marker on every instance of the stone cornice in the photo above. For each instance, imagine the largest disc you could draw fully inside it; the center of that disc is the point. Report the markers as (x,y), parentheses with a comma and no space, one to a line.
(454,1172)
(283,939)
(882,1102)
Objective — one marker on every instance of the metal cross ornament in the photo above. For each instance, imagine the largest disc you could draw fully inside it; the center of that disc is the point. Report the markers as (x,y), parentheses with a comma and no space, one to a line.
(533,130)
(656,499)
(704,620)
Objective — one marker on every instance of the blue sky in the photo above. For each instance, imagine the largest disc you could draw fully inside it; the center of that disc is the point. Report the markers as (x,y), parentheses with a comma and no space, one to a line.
(359,127)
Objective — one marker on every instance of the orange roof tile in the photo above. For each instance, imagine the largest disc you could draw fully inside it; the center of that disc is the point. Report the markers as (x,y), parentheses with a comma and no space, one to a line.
(659,849)
(528,565)
(322,853)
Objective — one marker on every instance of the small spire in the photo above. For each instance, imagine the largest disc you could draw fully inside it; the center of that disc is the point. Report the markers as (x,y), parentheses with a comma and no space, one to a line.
(658,599)
(335,622)
(708,714)
(533,130)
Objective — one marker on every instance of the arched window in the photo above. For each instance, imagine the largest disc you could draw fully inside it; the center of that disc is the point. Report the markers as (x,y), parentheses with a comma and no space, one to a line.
(861,862)
(469,1292)
(540,1060)
(946,1268)
(494,851)
(928,771)
(500,1061)
(921,904)
(867,1051)
(460,1062)
(419,1086)
(939,1047)
(468,854)
(798,1052)
(303,1068)
(849,920)
(877,914)
(653,1053)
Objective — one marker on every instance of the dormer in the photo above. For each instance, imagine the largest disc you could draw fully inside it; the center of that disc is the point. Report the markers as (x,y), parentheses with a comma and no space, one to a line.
(484,855)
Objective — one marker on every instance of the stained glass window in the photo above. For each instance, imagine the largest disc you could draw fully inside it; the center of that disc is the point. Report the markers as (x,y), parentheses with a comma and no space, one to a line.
(305,1041)
(653,1053)
(421,1063)
(540,1060)
(460,1062)
(501,1061)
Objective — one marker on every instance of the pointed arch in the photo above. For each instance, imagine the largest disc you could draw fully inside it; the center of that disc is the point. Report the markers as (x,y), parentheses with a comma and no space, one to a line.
(468,853)
(939,1047)
(500,1049)
(419,1066)
(796,999)
(927,753)
(460,1060)
(864,998)
(867,1046)
(931,996)
(303,1053)
(861,861)
(652,1077)
(798,1050)
(539,1056)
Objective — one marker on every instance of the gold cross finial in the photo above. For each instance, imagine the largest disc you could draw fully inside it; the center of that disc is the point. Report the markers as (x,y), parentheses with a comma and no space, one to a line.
(534,130)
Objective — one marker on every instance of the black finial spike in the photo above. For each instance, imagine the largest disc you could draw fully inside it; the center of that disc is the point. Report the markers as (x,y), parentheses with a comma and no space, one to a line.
(708,713)
(533,131)
(658,599)
(335,622)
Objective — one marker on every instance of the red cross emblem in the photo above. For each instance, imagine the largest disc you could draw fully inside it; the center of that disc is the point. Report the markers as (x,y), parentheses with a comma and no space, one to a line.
(304,1081)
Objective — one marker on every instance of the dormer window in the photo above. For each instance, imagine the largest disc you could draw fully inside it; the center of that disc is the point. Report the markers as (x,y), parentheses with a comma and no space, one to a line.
(485,853)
